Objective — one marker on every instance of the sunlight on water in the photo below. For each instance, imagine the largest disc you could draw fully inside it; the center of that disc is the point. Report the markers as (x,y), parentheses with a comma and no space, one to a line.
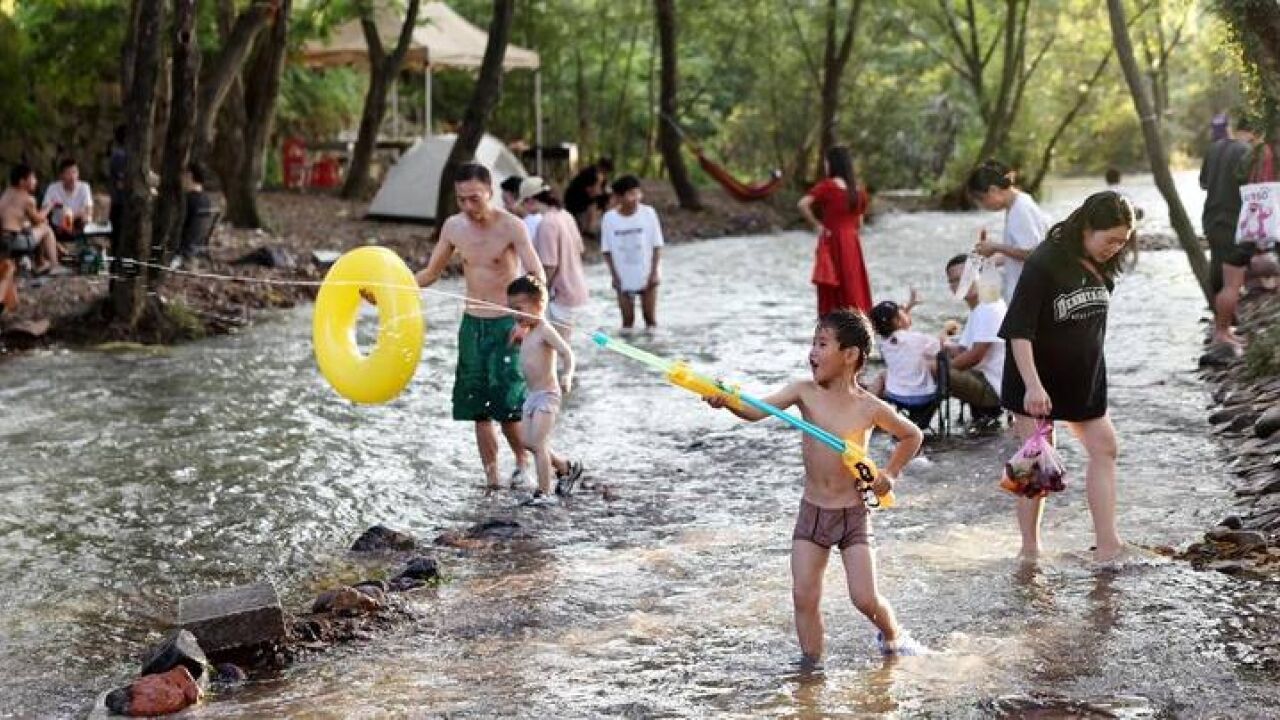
(134,479)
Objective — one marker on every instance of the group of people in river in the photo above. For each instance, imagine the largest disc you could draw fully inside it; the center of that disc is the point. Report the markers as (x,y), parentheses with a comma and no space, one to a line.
(1034,351)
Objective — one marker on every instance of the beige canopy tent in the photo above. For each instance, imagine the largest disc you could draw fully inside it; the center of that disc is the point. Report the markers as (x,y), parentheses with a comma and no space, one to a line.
(442,39)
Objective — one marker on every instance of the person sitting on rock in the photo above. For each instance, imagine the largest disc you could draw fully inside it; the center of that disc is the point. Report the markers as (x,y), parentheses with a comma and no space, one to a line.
(24,230)
(69,202)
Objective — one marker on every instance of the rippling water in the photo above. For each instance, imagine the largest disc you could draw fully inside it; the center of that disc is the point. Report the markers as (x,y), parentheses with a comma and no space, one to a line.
(132,479)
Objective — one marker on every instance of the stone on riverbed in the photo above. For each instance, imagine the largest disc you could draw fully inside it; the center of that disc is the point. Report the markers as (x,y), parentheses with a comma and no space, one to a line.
(482,534)
(1218,356)
(345,601)
(1244,540)
(179,648)
(381,537)
(1268,423)
(421,568)
(238,617)
(153,695)
(1228,413)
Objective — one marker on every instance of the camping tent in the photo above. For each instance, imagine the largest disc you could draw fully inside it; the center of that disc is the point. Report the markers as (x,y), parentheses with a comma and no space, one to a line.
(442,39)
(413,184)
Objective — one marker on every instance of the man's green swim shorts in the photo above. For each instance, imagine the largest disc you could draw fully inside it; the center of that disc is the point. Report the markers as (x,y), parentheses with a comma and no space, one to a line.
(488,384)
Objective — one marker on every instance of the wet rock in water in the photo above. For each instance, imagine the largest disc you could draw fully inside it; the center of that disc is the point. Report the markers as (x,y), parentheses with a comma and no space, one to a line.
(179,648)
(1227,567)
(229,674)
(421,568)
(1232,522)
(1268,423)
(153,695)
(1218,356)
(324,602)
(349,601)
(1228,413)
(482,534)
(405,584)
(608,494)
(375,592)
(1244,540)
(381,537)
(238,617)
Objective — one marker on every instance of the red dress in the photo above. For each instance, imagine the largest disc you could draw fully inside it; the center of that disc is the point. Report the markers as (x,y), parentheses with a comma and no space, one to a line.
(848,285)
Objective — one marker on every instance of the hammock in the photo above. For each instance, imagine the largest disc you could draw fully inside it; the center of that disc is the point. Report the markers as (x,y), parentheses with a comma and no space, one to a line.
(731,185)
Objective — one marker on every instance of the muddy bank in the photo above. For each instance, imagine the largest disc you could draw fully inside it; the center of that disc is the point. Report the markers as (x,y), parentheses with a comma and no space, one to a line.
(1246,417)
(68,311)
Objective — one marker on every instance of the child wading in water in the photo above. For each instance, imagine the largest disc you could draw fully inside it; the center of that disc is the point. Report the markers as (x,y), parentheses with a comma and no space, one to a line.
(832,513)
(528,296)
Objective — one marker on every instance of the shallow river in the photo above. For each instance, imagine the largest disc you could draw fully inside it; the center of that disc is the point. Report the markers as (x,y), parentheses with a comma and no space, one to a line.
(131,479)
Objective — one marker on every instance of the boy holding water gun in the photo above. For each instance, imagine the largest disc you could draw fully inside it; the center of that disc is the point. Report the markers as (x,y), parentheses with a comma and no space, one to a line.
(832,511)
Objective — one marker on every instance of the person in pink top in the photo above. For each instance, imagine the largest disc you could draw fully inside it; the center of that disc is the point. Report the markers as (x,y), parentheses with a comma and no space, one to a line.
(559,247)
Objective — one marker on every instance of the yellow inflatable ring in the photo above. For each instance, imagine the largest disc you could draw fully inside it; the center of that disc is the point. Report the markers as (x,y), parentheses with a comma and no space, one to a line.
(387,369)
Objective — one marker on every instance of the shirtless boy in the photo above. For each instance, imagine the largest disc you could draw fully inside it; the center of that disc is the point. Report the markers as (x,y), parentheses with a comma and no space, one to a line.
(832,513)
(488,386)
(23,228)
(542,343)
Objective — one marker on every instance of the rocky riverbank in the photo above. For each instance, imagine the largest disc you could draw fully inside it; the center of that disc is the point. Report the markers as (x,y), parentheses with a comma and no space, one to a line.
(1246,416)
(253,268)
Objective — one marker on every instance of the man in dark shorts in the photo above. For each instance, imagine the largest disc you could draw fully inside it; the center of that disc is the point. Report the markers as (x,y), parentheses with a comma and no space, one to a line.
(1220,177)
(488,386)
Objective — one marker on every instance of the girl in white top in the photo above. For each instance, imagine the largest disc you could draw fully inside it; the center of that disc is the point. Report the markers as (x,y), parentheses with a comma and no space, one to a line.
(910,357)
(1025,224)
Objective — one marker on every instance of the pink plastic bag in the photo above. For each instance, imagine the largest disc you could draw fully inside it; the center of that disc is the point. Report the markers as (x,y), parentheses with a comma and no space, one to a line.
(1035,470)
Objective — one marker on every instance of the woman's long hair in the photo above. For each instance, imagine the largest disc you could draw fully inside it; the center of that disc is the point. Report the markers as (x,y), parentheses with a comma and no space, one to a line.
(840,165)
(1100,211)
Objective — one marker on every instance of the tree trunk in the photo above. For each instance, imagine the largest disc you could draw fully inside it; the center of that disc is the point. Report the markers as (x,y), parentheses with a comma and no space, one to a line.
(144,54)
(1145,108)
(254,108)
(384,69)
(834,61)
(668,137)
(484,98)
(238,35)
(181,130)
(1046,158)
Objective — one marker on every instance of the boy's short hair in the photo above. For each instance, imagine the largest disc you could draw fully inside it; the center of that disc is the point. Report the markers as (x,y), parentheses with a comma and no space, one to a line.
(529,285)
(624,184)
(20,172)
(851,329)
(884,318)
(957,260)
(67,163)
(1113,176)
(512,184)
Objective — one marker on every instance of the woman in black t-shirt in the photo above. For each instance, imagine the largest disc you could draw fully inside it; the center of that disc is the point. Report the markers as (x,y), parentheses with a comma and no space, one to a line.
(1054,367)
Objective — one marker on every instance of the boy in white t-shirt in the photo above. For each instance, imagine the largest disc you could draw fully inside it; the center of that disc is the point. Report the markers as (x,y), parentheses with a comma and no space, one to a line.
(977,360)
(71,199)
(631,240)
(910,359)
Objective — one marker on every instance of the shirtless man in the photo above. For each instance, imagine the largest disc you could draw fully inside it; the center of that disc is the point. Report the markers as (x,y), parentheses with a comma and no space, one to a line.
(539,350)
(24,229)
(488,385)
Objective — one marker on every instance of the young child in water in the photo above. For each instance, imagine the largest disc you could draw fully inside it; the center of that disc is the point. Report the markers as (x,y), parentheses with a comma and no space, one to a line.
(832,513)
(528,296)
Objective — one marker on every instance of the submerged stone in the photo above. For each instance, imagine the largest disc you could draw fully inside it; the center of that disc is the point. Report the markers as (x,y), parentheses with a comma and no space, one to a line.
(153,695)
(381,537)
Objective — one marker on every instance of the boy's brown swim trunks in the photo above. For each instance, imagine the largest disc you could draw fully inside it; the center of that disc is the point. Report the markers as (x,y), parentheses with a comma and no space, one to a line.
(827,527)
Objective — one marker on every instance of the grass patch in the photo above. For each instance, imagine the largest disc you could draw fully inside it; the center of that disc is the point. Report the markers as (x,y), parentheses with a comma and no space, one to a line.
(1262,358)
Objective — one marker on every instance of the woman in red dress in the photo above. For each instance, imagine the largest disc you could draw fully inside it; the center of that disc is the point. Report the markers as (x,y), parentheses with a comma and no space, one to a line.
(838,270)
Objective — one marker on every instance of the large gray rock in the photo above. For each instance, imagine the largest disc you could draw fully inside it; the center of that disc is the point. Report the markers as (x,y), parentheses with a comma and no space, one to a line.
(179,648)
(1228,413)
(239,617)
(1218,356)
(1268,423)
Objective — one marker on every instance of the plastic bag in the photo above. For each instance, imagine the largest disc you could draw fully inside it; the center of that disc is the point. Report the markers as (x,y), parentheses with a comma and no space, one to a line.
(972,266)
(990,281)
(1035,470)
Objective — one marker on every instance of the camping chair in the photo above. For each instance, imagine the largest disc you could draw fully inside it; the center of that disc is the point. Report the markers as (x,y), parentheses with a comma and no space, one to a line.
(936,416)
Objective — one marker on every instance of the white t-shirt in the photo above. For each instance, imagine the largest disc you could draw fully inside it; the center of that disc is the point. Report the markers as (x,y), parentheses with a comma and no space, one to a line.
(1025,227)
(983,325)
(78,200)
(531,222)
(907,357)
(630,240)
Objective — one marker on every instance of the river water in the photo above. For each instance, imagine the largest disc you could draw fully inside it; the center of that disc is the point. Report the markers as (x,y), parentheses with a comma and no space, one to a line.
(131,479)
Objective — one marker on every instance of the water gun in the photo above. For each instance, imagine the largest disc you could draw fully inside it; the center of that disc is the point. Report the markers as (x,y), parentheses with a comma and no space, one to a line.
(680,374)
